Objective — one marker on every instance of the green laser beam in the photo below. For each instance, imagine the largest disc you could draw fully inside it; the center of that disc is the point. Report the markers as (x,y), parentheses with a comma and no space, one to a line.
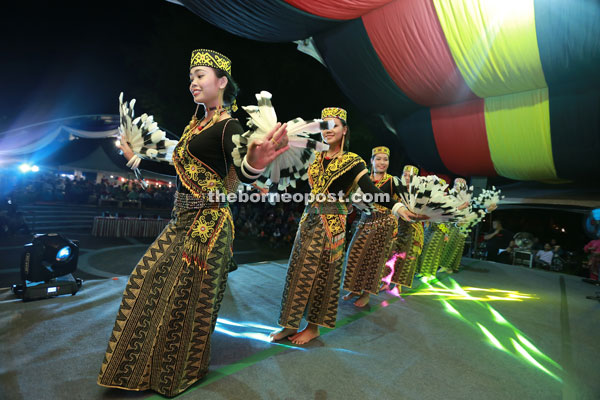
(532,360)
(502,321)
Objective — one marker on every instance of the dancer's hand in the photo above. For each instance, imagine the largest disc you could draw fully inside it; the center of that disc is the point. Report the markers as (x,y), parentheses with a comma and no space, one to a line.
(463,206)
(124,147)
(406,215)
(421,217)
(262,152)
(491,207)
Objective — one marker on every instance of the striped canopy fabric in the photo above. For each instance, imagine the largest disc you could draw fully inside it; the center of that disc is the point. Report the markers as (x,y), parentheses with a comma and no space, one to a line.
(473,87)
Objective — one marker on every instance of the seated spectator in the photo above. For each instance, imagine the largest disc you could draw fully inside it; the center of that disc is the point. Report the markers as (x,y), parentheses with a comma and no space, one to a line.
(506,256)
(543,258)
(556,248)
(536,245)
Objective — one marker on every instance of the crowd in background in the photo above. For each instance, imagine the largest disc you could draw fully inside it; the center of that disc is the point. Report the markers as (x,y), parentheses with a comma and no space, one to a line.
(275,224)
(56,188)
(504,246)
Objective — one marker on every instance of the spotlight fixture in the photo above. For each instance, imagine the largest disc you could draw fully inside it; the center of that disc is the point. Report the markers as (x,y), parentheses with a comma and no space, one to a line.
(46,268)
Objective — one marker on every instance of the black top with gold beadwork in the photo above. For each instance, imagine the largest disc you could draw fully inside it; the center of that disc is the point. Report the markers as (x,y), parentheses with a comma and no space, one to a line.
(212,147)
(344,179)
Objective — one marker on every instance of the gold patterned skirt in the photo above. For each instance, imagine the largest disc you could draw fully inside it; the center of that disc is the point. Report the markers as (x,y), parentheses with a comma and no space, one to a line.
(433,248)
(454,250)
(312,284)
(369,251)
(161,337)
(409,241)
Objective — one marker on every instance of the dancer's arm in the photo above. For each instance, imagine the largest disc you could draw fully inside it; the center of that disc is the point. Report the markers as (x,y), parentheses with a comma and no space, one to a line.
(398,208)
(153,166)
(260,153)
(358,175)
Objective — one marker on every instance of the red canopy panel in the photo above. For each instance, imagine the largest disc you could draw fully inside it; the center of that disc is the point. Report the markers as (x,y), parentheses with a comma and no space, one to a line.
(411,45)
(461,138)
(337,9)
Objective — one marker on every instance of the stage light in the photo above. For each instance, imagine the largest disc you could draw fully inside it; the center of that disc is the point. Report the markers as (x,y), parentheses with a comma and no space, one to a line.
(35,168)
(24,168)
(63,254)
(47,265)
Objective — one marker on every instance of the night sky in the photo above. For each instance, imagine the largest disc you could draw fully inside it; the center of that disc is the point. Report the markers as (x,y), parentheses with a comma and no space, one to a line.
(63,59)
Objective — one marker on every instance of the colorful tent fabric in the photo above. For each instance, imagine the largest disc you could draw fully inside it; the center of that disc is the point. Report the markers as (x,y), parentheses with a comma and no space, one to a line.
(410,44)
(338,9)
(264,20)
(490,83)
(356,68)
(461,139)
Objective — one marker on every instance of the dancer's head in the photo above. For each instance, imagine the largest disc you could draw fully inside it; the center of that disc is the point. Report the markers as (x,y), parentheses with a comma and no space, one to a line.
(408,172)
(380,159)
(460,184)
(338,136)
(210,79)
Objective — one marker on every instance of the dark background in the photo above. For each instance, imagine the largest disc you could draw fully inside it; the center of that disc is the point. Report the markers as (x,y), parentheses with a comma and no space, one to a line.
(61,59)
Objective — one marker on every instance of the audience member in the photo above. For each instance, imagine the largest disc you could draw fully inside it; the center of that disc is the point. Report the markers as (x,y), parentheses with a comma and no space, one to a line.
(498,239)
(543,258)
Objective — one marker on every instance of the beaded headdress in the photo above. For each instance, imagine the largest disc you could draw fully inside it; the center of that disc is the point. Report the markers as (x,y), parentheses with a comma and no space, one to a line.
(210,58)
(334,112)
(411,169)
(380,150)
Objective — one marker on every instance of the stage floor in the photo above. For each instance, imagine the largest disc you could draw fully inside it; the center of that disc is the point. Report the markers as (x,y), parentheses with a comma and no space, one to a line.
(492,331)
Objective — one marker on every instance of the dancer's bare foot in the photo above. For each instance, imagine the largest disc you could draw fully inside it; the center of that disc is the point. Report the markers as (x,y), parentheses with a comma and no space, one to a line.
(282,334)
(308,334)
(363,300)
(350,296)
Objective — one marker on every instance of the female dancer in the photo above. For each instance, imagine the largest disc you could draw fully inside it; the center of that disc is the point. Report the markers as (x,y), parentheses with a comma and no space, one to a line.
(458,233)
(452,254)
(370,247)
(435,240)
(315,267)
(161,338)
(408,243)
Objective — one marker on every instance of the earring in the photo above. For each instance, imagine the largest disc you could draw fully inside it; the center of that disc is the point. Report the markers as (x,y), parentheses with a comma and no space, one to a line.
(194,117)
(217,114)
(342,146)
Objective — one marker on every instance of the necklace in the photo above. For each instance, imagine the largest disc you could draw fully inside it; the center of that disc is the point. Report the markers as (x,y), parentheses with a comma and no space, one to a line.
(210,122)
(329,157)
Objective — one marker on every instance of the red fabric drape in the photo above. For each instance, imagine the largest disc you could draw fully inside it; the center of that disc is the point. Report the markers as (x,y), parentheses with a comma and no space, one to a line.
(461,138)
(411,45)
(337,9)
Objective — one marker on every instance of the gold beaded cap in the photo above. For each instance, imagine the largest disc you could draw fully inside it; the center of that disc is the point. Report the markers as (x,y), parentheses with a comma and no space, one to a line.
(380,150)
(336,112)
(210,58)
(412,169)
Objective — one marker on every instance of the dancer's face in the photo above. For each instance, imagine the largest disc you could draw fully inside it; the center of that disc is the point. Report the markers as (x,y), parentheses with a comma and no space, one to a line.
(205,86)
(333,137)
(407,175)
(380,163)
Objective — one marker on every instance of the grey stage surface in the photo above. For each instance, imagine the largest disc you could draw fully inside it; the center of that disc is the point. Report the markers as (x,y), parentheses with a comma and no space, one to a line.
(414,347)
